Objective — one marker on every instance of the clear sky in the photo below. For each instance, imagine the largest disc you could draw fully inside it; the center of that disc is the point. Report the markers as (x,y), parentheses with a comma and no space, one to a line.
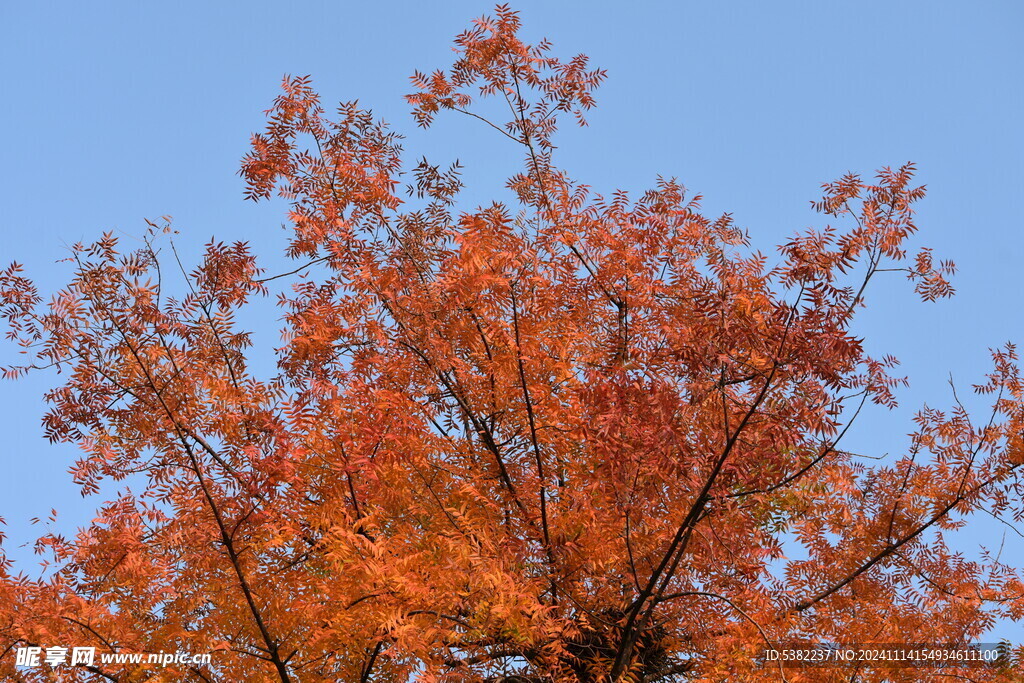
(112,112)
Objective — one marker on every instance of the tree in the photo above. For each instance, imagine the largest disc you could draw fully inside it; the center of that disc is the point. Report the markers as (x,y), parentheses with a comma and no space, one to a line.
(567,440)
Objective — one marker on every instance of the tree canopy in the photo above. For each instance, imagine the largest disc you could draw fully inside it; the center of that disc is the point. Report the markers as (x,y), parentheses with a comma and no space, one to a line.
(567,438)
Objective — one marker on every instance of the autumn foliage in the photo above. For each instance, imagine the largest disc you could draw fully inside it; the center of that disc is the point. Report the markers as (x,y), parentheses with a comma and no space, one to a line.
(566,439)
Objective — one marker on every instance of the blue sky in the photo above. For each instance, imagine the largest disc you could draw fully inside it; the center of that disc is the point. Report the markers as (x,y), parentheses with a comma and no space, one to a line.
(113,112)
